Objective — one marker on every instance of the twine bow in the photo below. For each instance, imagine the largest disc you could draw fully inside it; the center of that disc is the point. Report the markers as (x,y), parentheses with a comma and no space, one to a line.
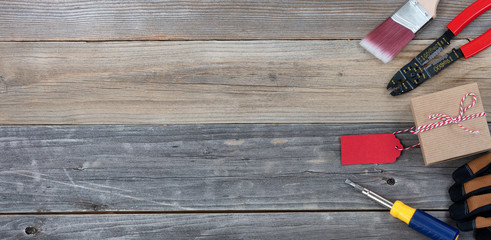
(445,120)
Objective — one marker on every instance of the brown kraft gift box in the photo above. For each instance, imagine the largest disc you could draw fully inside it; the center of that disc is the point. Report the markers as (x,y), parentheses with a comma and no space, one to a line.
(450,142)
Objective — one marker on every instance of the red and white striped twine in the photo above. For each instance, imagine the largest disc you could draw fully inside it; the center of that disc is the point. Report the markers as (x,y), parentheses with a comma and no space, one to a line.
(404,149)
(445,120)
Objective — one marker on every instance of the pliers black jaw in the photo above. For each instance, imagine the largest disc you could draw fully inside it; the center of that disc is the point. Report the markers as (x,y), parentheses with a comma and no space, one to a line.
(407,78)
(413,74)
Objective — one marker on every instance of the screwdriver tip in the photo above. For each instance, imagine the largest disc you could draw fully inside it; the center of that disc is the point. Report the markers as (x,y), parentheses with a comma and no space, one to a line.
(351,183)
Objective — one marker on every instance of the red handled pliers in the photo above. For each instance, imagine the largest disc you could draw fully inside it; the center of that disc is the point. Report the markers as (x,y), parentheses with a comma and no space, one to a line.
(414,73)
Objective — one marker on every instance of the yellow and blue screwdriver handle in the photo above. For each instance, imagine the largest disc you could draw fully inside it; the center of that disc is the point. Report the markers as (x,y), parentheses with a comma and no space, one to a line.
(415,218)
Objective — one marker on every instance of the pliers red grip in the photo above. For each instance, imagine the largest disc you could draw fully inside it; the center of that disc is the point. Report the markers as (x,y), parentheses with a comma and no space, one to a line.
(477,45)
(463,19)
(414,73)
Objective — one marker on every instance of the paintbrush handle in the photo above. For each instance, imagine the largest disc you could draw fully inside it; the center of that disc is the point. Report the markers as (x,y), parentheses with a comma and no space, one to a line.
(430,6)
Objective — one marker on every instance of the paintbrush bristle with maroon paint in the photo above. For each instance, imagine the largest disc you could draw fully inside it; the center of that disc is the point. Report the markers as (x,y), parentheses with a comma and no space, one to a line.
(390,37)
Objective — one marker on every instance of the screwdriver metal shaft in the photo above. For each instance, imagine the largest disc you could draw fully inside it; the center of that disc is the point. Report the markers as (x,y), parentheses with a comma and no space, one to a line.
(371,194)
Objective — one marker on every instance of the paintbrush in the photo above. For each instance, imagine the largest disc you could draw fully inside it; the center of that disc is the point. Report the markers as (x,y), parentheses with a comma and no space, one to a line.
(391,36)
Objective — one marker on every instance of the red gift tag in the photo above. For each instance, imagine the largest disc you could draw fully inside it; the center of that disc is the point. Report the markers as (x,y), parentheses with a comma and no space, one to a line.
(370,148)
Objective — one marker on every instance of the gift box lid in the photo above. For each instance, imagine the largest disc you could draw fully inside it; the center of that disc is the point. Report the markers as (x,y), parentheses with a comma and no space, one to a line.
(451,141)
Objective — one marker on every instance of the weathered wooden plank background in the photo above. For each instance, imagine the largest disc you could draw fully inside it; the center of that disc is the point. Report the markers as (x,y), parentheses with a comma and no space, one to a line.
(212,82)
(77,20)
(252,151)
(312,225)
(199,168)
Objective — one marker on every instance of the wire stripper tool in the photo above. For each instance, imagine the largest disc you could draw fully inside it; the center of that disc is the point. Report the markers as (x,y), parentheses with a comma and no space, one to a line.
(414,73)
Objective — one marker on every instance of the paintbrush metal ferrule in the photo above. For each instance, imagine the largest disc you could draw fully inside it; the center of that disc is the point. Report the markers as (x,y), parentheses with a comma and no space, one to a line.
(412,15)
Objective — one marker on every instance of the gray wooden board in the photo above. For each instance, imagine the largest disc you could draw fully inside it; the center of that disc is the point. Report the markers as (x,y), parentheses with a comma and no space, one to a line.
(192,82)
(205,167)
(23,20)
(300,225)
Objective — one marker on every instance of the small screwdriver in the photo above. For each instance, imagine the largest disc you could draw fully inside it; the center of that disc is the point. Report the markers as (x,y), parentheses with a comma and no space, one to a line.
(415,218)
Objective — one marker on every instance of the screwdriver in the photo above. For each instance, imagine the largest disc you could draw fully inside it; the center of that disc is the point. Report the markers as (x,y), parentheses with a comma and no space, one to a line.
(415,218)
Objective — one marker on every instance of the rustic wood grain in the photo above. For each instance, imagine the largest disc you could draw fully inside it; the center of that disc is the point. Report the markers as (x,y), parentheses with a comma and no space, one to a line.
(337,225)
(205,167)
(212,82)
(77,20)
(208,181)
